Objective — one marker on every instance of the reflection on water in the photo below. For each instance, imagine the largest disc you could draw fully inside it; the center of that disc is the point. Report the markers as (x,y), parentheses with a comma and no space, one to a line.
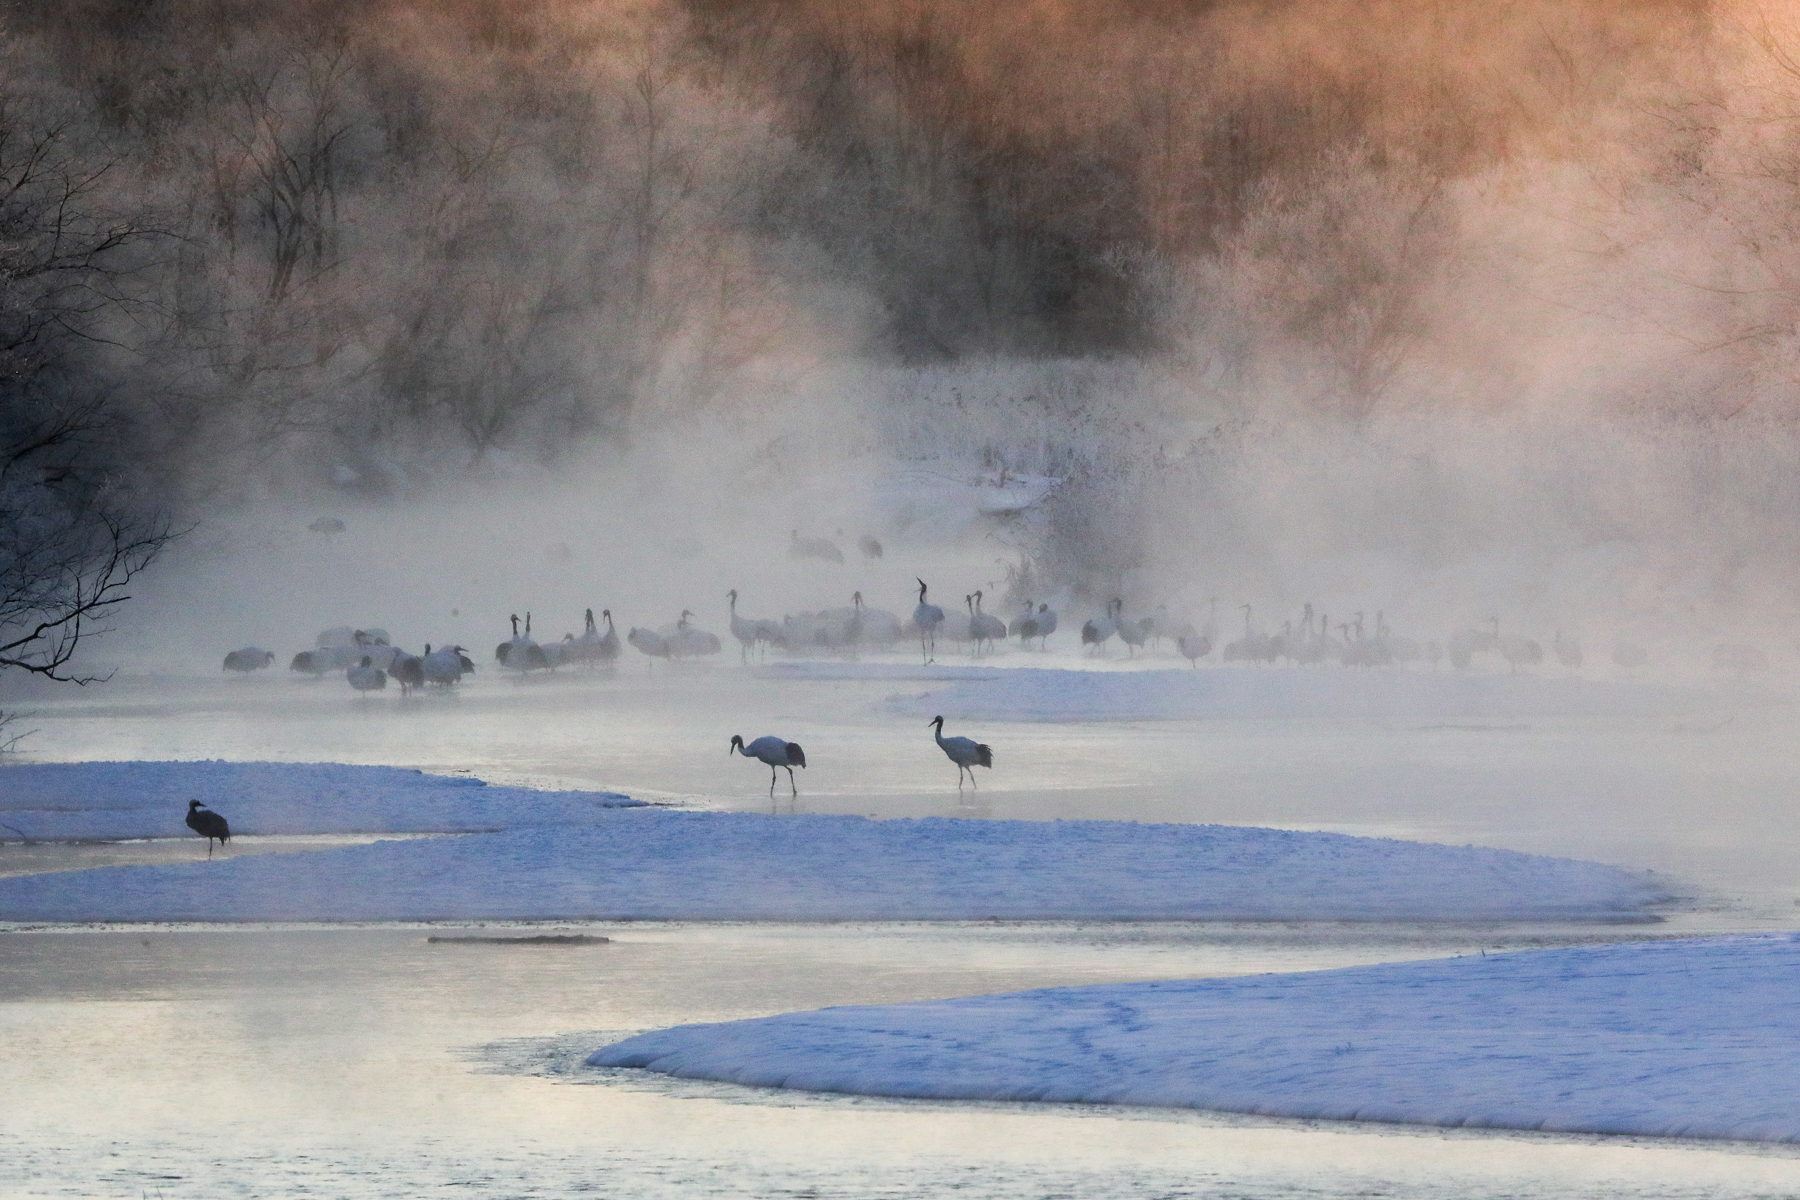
(36,858)
(368,1062)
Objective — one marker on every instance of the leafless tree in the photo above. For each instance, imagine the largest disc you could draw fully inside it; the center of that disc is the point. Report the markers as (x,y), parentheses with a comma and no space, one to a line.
(71,535)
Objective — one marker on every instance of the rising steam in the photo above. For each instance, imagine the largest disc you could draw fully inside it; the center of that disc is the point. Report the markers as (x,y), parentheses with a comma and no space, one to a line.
(1439,307)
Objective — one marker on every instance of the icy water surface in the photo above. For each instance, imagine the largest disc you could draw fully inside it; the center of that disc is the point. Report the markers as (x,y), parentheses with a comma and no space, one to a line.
(368,1062)
(1703,790)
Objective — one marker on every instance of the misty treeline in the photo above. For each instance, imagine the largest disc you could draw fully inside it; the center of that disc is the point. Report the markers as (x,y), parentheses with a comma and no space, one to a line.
(368,246)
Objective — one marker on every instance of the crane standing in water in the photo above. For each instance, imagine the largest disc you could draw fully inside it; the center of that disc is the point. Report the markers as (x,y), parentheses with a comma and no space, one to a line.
(208,824)
(775,753)
(926,619)
(966,753)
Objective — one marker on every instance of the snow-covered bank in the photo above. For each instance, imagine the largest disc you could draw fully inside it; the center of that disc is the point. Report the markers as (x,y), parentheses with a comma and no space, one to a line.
(94,800)
(1039,694)
(1691,1038)
(659,864)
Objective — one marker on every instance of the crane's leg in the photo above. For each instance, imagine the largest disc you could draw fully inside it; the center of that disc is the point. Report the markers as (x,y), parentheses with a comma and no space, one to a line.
(771,783)
(791,783)
(972,782)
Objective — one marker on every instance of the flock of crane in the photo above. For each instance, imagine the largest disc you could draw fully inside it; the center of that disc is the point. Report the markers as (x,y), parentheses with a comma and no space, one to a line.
(370,662)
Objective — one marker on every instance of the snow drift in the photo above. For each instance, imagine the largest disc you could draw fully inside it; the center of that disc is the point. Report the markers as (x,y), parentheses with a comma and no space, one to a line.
(1690,1038)
(688,865)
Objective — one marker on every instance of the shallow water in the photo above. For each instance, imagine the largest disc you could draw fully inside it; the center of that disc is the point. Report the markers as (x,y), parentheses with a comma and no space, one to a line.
(366,1062)
(369,1062)
(1705,795)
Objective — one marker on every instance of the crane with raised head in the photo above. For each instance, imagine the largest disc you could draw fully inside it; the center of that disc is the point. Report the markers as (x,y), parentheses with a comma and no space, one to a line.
(874,626)
(686,639)
(749,634)
(606,650)
(983,627)
(926,619)
(966,753)
(521,653)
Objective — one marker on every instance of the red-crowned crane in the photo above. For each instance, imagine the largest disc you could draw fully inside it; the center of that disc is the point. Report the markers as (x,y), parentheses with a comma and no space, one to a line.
(366,676)
(874,626)
(606,650)
(811,547)
(521,653)
(1194,645)
(687,640)
(1096,630)
(966,753)
(408,670)
(250,658)
(983,627)
(751,634)
(446,666)
(208,824)
(926,619)
(775,753)
(1024,627)
(1135,633)
(650,643)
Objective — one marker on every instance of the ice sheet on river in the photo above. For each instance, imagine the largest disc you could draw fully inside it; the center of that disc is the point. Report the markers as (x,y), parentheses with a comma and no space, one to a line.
(1691,1038)
(661,864)
(108,800)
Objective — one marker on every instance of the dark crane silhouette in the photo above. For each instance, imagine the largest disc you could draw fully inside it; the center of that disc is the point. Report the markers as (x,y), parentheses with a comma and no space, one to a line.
(208,824)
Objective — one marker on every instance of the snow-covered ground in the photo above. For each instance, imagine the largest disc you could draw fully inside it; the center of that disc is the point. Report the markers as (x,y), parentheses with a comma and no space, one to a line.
(657,864)
(92,800)
(1691,1038)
